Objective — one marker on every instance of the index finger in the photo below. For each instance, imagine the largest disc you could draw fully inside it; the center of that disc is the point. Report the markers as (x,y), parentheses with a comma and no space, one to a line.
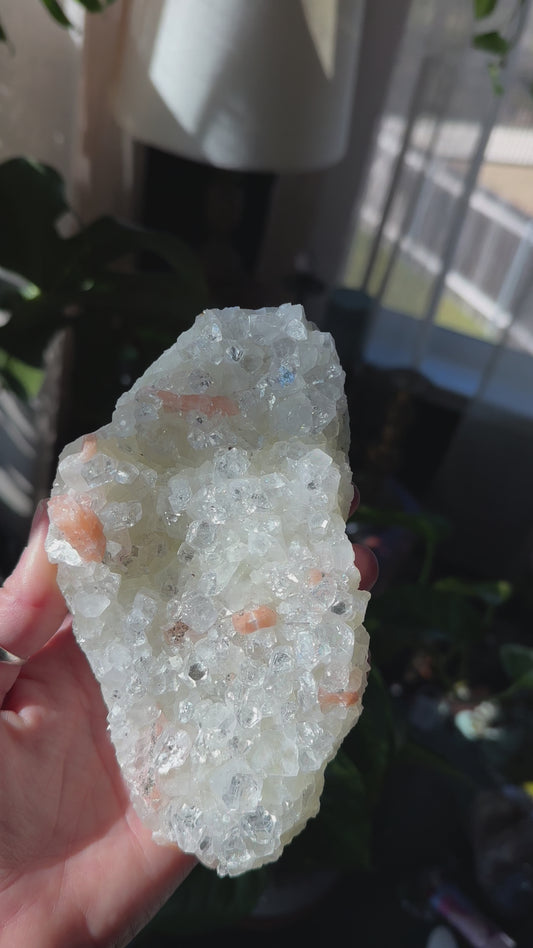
(31,605)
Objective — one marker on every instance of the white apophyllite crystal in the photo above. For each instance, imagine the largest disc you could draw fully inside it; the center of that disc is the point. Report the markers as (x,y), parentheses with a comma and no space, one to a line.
(201,545)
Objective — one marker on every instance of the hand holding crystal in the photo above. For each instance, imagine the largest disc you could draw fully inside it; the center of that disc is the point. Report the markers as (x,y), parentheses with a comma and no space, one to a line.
(76,865)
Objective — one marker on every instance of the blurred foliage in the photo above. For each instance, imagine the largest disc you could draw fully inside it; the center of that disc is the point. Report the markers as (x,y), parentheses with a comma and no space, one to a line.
(432,627)
(517,661)
(429,528)
(205,902)
(498,41)
(124,292)
(57,12)
(91,6)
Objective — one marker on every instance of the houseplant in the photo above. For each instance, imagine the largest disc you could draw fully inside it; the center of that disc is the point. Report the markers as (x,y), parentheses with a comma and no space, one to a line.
(93,284)
(107,299)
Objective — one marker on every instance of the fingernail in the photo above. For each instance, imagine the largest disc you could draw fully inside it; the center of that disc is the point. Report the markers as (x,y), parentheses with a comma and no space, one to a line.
(34,574)
(34,566)
(41,513)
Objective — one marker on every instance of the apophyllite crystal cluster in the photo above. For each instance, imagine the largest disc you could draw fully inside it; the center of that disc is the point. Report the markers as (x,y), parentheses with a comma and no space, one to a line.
(201,545)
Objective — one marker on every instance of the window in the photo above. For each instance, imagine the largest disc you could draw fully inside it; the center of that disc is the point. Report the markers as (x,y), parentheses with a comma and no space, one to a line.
(443,242)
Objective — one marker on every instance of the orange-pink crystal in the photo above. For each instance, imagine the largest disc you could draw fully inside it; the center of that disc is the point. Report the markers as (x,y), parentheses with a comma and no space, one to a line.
(80,526)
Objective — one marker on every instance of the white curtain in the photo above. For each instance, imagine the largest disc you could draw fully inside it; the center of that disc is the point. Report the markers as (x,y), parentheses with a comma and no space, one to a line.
(442,248)
(55,94)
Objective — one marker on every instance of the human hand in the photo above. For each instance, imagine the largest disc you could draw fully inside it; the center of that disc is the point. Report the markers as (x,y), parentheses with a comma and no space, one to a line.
(77,867)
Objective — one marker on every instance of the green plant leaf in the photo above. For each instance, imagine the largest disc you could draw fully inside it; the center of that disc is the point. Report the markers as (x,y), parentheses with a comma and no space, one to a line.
(92,6)
(31,326)
(205,902)
(373,743)
(416,753)
(23,379)
(74,281)
(517,660)
(492,42)
(32,198)
(425,525)
(31,201)
(95,6)
(425,807)
(483,8)
(107,240)
(56,11)
(81,282)
(510,754)
(490,593)
(410,615)
(522,684)
(494,70)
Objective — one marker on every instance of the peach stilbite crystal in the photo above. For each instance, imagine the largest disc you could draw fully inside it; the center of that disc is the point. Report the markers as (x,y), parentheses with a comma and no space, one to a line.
(201,545)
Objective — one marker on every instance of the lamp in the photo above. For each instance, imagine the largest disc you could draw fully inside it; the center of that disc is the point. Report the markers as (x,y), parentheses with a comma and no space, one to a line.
(253,85)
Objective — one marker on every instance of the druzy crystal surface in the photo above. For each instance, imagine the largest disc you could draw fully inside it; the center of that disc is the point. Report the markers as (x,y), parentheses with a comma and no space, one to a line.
(201,545)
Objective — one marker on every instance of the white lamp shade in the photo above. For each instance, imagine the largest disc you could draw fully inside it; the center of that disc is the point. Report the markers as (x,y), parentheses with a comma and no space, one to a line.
(255,85)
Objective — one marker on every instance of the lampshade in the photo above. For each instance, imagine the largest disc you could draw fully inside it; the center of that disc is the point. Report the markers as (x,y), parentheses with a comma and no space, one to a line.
(254,85)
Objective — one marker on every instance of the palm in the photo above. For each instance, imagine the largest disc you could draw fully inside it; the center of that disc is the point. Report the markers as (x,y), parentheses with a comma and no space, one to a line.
(76,864)
(65,809)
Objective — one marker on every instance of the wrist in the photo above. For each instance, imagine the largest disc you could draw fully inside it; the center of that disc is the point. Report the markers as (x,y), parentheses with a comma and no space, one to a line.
(35,910)
(30,914)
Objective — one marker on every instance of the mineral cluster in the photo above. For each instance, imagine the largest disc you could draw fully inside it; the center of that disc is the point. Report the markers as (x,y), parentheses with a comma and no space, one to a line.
(202,551)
